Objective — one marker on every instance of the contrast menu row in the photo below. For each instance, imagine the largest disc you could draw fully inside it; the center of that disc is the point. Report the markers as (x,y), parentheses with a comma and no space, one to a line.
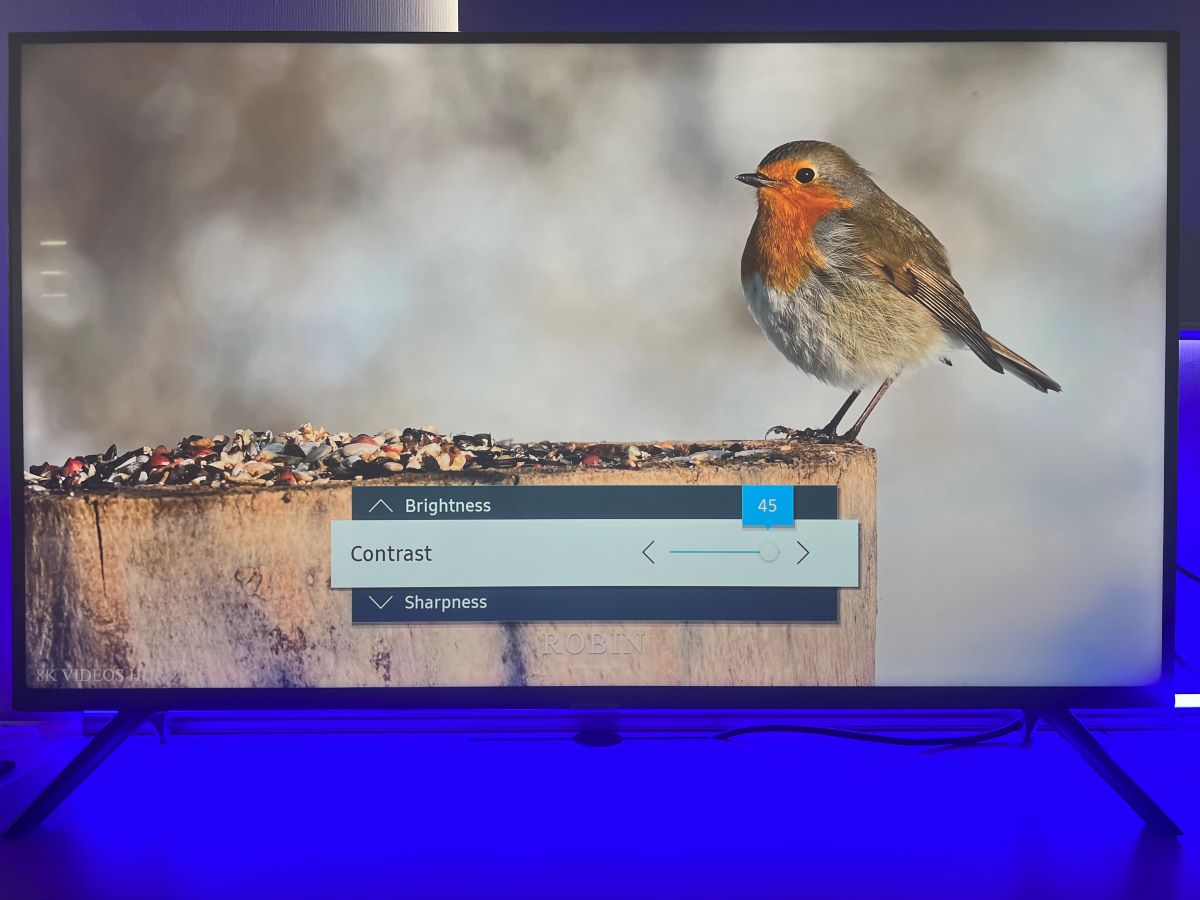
(525,553)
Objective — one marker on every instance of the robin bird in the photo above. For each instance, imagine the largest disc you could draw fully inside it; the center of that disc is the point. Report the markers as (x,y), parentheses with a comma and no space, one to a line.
(849,285)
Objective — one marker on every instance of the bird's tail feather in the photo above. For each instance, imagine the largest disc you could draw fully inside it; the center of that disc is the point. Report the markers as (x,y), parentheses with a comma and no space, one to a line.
(1023,368)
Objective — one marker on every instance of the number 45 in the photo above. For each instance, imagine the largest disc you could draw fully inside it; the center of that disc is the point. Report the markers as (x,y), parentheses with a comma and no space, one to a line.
(767,505)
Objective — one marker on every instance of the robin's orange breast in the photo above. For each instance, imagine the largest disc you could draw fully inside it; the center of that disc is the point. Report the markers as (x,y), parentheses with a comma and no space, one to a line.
(781,247)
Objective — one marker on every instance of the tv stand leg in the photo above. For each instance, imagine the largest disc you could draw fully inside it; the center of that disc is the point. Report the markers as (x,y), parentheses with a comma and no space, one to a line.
(1031,718)
(1085,744)
(106,740)
(162,725)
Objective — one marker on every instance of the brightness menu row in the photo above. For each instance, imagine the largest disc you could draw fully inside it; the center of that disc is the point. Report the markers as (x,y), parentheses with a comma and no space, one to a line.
(573,553)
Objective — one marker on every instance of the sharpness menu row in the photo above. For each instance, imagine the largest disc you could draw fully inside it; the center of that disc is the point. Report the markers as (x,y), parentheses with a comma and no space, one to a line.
(543,554)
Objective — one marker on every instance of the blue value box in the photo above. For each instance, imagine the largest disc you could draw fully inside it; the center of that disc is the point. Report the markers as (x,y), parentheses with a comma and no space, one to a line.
(768,504)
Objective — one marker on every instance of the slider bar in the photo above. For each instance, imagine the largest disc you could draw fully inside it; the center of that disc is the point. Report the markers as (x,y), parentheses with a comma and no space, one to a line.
(751,552)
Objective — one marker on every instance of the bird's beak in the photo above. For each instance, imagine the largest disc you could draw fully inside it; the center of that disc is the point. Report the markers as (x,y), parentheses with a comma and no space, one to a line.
(754,179)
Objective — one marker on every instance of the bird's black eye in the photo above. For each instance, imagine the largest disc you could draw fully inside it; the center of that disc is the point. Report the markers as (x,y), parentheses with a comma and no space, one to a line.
(804,176)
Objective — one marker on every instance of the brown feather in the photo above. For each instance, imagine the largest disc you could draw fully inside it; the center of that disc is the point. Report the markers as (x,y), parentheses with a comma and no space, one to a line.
(1023,368)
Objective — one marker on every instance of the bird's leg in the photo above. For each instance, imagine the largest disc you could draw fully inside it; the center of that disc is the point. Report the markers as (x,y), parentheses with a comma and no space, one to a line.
(852,434)
(831,428)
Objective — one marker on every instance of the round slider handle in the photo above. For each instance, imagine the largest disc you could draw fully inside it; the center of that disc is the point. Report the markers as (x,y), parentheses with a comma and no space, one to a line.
(768,552)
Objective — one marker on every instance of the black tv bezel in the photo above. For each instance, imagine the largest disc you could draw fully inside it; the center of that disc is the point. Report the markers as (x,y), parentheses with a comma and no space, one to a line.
(1156,693)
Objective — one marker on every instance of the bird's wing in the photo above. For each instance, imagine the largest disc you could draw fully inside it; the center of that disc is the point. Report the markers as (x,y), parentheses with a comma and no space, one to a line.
(939,293)
(904,253)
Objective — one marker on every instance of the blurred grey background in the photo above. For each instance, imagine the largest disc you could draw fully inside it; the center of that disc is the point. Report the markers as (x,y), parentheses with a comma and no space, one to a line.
(543,242)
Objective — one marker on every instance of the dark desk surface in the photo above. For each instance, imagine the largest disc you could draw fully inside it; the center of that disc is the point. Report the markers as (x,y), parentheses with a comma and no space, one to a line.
(450,815)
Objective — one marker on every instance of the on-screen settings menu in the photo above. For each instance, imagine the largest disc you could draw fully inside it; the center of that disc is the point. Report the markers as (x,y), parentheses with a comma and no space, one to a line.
(655,553)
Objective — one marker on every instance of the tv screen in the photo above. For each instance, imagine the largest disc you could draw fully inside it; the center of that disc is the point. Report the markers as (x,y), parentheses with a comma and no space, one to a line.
(758,369)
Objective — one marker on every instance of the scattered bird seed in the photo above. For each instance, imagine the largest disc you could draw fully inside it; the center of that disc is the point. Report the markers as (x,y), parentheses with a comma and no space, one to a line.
(312,455)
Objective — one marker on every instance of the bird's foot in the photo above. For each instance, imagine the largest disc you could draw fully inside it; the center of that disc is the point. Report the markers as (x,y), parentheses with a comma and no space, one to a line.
(848,437)
(819,435)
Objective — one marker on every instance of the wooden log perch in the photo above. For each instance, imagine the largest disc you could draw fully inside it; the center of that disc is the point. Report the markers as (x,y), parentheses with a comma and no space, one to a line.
(230,587)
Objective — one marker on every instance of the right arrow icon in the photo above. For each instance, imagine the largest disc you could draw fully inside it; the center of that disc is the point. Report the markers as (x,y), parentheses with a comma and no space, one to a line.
(805,556)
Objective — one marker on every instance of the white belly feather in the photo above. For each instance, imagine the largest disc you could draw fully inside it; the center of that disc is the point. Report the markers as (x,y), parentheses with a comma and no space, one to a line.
(842,342)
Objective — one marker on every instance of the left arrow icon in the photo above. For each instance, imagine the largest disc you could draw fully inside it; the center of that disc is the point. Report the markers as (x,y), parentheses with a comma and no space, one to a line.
(380,604)
(647,555)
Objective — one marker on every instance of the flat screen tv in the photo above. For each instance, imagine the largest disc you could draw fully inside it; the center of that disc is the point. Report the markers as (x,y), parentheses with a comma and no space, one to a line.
(747,371)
